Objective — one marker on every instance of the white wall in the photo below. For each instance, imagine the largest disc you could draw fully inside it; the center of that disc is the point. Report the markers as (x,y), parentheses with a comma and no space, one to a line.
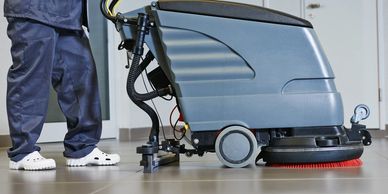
(6,61)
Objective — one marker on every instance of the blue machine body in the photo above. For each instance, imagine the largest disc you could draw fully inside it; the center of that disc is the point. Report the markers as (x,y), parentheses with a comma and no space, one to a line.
(245,78)
(228,71)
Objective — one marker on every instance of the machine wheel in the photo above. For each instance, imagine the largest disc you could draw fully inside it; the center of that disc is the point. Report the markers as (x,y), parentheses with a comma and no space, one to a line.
(236,147)
(361,112)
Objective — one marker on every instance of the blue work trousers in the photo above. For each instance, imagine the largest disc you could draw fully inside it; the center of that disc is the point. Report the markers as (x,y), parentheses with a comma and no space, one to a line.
(43,55)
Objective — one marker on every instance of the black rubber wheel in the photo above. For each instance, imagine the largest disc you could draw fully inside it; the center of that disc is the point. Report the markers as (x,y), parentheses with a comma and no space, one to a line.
(236,147)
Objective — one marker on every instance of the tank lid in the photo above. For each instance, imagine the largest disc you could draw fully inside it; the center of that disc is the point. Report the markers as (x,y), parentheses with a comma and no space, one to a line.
(232,10)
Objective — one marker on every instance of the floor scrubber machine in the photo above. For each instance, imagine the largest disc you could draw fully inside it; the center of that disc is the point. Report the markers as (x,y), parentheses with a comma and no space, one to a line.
(250,83)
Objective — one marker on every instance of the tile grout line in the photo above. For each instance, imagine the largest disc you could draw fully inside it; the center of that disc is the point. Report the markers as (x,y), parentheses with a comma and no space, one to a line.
(210,180)
(264,180)
(100,189)
(250,180)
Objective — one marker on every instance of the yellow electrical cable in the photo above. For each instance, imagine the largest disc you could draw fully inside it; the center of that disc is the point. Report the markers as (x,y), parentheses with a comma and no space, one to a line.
(107,7)
(114,7)
(111,12)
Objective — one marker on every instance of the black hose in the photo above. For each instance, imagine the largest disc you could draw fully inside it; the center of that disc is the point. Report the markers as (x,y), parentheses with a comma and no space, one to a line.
(138,99)
(134,72)
(154,134)
(112,5)
(146,61)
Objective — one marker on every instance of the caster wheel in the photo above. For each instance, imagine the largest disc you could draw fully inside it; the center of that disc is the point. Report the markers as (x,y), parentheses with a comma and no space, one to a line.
(361,112)
(236,147)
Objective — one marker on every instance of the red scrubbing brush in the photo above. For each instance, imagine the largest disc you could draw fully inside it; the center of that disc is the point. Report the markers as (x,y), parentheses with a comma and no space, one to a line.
(348,163)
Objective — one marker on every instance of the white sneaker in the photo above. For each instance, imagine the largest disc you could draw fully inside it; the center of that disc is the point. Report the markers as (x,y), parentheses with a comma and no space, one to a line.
(96,157)
(33,161)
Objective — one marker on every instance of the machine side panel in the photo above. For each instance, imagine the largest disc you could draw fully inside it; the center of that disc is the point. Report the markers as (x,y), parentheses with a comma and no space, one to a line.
(196,57)
(286,80)
(263,111)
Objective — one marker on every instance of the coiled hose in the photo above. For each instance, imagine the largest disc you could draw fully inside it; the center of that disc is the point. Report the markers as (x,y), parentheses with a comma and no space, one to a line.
(134,72)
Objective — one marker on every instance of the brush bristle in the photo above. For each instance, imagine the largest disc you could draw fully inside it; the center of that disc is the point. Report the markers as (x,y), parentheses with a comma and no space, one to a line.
(348,163)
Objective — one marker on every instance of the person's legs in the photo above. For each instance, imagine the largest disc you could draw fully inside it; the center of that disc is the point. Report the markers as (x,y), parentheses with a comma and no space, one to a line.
(75,80)
(28,83)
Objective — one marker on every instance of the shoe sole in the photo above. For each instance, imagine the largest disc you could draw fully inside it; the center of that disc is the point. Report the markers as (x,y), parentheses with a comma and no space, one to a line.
(14,166)
(91,164)
(32,169)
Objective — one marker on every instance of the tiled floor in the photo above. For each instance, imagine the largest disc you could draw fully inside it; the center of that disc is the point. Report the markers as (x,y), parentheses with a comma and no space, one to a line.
(194,176)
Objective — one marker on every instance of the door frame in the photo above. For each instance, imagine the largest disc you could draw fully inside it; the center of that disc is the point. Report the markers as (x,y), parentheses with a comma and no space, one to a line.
(381,61)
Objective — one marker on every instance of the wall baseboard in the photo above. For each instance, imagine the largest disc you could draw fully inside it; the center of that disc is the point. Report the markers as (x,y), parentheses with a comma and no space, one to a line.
(376,133)
(5,141)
